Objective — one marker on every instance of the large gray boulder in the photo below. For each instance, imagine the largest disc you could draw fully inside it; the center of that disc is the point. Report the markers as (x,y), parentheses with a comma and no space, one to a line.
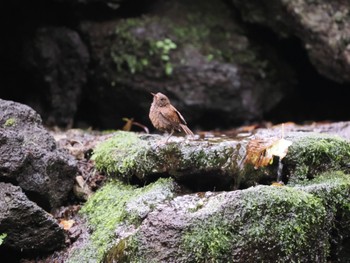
(322,26)
(30,159)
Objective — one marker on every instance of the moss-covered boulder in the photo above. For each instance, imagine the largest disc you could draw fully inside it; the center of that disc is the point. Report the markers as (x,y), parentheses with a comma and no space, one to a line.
(312,153)
(217,163)
(305,221)
(196,52)
(333,188)
(264,224)
(202,164)
(114,212)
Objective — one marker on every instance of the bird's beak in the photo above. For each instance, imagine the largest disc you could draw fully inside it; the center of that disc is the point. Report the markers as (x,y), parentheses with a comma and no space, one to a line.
(153,94)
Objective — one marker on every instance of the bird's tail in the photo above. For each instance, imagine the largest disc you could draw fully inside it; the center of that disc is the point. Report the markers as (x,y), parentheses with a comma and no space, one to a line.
(186,129)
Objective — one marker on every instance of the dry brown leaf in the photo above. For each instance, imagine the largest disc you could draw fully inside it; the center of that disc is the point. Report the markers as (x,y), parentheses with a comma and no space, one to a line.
(260,152)
(67,224)
(278,184)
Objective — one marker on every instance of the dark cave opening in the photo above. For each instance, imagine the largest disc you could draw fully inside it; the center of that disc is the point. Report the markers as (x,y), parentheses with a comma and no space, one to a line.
(315,98)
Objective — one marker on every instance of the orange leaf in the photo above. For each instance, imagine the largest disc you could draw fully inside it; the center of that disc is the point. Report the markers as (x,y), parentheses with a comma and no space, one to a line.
(66,224)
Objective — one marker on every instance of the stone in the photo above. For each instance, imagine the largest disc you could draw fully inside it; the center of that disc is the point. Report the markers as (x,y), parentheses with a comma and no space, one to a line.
(322,26)
(30,158)
(28,227)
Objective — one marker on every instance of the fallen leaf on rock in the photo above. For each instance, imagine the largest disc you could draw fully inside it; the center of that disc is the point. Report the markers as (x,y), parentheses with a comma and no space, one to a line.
(260,152)
(67,224)
(278,184)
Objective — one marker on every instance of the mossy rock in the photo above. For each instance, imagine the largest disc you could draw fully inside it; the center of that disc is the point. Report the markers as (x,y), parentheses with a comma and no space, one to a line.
(216,163)
(312,153)
(333,188)
(259,224)
(127,155)
(304,223)
(117,206)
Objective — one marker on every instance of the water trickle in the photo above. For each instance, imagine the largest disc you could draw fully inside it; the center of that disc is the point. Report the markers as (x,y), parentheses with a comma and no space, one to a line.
(279,170)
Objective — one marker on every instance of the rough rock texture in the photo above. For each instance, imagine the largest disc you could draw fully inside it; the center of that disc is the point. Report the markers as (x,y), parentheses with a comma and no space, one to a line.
(29,157)
(194,52)
(218,163)
(257,224)
(28,227)
(322,26)
(208,164)
(304,223)
(58,60)
(111,223)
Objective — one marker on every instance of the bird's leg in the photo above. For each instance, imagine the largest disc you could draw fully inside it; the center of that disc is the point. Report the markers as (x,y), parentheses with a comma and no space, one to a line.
(171,133)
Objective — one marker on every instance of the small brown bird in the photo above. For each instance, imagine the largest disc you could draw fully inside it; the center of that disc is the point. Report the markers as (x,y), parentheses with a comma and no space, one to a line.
(165,117)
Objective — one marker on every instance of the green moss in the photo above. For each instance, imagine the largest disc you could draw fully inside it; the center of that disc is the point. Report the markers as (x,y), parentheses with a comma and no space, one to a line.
(137,53)
(127,154)
(289,223)
(2,238)
(211,243)
(10,122)
(152,42)
(313,154)
(124,154)
(333,188)
(115,204)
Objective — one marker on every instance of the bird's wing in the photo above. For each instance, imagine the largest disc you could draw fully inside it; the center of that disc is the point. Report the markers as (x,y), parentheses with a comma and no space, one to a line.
(181,118)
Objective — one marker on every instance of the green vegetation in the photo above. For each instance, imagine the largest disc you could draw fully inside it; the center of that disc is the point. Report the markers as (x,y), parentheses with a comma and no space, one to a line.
(287,222)
(124,154)
(164,47)
(113,205)
(2,238)
(139,53)
(316,153)
(10,122)
(153,42)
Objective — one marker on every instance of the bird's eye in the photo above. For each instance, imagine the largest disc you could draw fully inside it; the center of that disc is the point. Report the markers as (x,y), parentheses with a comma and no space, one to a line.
(163,99)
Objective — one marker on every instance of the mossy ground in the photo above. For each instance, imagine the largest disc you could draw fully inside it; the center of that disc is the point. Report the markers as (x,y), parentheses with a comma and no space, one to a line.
(114,204)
